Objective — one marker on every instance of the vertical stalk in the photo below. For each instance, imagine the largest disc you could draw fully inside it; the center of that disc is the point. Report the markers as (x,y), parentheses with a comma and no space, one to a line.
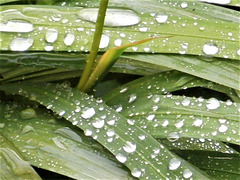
(95,45)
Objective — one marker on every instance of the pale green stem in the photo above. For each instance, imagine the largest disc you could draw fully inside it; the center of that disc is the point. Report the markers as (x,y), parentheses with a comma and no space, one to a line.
(95,45)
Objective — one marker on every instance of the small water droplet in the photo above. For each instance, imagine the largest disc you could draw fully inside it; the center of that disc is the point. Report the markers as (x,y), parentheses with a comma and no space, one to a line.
(123,90)
(222,128)
(198,122)
(88,113)
(143,29)
(16,26)
(132,98)
(142,137)
(28,113)
(173,136)
(56,17)
(119,108)
(187,173)
(179,124)
(26,129)
(129,147)
(51,35)
(212,103)
(113,17)
(174,164)
(210,48)
(104,41)
(61,113)
(156,150)
(131,122)
(186,102)
(88,132)
(184,5)
(238,52)
(156,98)
(161,18)
(111,122)
(121,158)
(21,44)
(48,48)
(136,173)
(69,39)
(165,123)
(110,133)
(118,42)
(98,123)
(150,117)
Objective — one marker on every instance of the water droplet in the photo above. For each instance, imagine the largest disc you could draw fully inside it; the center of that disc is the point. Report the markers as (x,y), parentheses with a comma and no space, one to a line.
(173,136)
(156,150)
(238,52)
(118,42)
(28,113)
(142,137)
(69,39)
(174,164)
(223,128)
(213,103)
(179,124)
(111,122)
(123,90)
(98,123)
(198,122)
(121,158)
(61,113)
(88,113)
(16,26)
(165,123)
(129,147)
(132,98)
(110,133)
(143,29)
(81,29)
(150,117)
(156,98)
(21,44)
(187,173)
(2,125)
(104,41)
(56,17)
(161,18)
(88,132)
(48,48)
(113,17)
(210,49)
(136,173)
(78,109)
(186,102)
(119,108)
(51,35)
(146,49)
(184,5)
(27,129)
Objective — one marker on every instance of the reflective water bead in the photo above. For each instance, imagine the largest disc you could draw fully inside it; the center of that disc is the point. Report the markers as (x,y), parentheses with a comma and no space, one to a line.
(118,42)
(142,137)
(121,158)
(198,122)
(119,108)
(61,113)
(186,102)
(98,123)
(129,147)
(131,121)
(21,44)
(150,117)
(113,17)
(156,98)
(161,18)
(110,132)
(48,48)
(88,132)
(51,35)
(27,129)
(136,173)
(212,103)
(104,41)
(238,52)
(174,164)
(173,136)
(184,5)
(210,48)
(222,128)
(111,122)
(179,124)
(69,39)
(16,26)
(123,90)
(132,98)
(165,123)
(88,113)
(56,17)
(187,173)
(143,29)
(28,113)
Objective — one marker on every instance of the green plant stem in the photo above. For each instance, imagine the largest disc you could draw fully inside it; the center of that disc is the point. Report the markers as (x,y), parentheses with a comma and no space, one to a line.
(95,45)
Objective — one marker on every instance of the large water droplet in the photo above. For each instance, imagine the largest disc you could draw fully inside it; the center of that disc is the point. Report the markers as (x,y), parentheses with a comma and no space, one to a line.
(113,17)
(173,136)
(69,39)
(121,158)
(88,113)
(129,147)
(187,173)
(150,117)
(136,173)
(16,26)
(210,48)
(198,122)
(186,102)
(51,35)
(184,5)
(174,164)
(161,18)
(213,103)
(98,123)
(21,44)
(118,42)
(104,41)
(223,128)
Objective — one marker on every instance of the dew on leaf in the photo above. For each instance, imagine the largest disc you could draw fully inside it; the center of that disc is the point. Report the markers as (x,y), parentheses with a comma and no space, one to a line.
(110,132)
(56,17)
(118,42)
(184,5)
(80,29)
(165,123)
(150,117)
(18,26)
(156,98)
(28,113)
(198,122)
(51,35)
(113,17)
(210,48)
(238,52)
(21,44)
(119,108)
(161,18)
(136,173)
(98,123)
(131,121)
(69,39)
(179,124)
(123,90)
(186,102)
(143,29)
(111,122)
(212,103)
(104,41)
(174,164)
(48,48)
(142,137)
(26,129)
(222,128)
(61,113)
(88,132)
(88,113)
(173,136)
(187,173)
(121,158)
(132,98)
(2,125)
(129,147)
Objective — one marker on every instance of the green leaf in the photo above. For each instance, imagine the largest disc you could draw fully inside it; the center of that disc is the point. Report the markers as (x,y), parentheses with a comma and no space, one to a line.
(192,31)
(13,165)
(172,117)
(145,158)
(56,145)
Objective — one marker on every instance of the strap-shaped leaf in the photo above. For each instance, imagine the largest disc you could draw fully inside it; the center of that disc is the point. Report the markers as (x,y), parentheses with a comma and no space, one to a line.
(146,158)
